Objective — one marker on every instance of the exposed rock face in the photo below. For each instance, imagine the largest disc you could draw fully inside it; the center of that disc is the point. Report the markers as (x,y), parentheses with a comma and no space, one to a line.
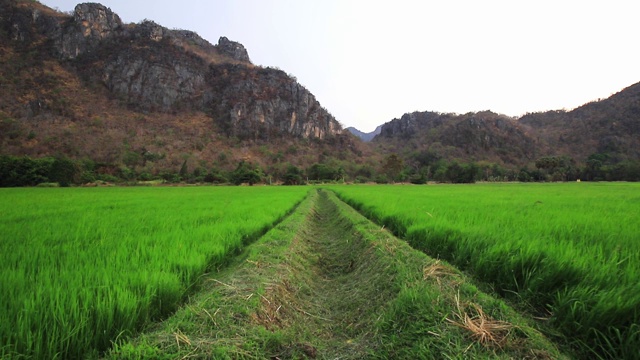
(180,37)
(97,21)
(488,132)
(155,84)
(151,68)
(233,49)
(92,23)
(150,30)
(260,103)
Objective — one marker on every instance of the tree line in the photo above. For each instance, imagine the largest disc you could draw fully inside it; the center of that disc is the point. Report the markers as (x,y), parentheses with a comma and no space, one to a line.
(416,168)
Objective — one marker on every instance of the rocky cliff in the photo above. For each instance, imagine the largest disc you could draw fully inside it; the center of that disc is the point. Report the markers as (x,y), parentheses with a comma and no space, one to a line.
(262,103)
(153,69)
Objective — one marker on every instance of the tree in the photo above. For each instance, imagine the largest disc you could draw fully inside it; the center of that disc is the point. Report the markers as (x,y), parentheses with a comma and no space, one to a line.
(547,163)
(293,176)
(215,176)
(246,173)
(392,167)
(559,168)
(63,171)
(131,159)
(320,172)
(24,171)
(184,170)
(418,178)
(461,174)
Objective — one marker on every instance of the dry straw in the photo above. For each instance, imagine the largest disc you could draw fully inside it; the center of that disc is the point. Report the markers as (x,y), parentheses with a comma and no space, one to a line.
(486,331)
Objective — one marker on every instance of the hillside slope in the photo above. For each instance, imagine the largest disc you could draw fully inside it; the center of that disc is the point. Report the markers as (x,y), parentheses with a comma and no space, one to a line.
(608,126)
(482,136)
(90,87)
(599,140)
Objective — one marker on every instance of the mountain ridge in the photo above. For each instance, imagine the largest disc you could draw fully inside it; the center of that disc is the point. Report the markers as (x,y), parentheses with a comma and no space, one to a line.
(599,140)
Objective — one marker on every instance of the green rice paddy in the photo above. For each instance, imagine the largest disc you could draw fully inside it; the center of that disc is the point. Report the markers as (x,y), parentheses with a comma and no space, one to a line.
(83,267)
(568,252)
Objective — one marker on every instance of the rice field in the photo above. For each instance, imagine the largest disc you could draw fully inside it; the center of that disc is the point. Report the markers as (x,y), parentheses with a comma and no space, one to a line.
(569,253)
(84,267)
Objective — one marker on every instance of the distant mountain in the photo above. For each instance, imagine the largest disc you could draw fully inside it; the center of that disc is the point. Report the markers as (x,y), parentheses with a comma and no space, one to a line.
(366,137)
(602,138)
(482,136)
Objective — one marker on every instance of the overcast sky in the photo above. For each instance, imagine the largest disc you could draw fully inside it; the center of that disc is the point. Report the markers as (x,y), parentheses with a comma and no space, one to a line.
(368,62)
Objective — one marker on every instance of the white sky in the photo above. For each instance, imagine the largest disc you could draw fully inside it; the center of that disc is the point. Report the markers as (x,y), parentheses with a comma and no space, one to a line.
(368,62)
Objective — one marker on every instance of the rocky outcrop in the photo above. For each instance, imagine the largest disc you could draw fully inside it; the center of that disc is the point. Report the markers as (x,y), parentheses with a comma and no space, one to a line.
(233,49)
(150,30)
(261,103)
(155,84)
(92,23)
(96,21)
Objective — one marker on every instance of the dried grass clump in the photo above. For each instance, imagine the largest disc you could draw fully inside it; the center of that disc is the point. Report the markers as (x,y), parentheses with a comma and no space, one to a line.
(486,331)
(436,271)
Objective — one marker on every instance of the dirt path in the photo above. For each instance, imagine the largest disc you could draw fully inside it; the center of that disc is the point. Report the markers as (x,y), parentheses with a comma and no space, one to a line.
(327,283)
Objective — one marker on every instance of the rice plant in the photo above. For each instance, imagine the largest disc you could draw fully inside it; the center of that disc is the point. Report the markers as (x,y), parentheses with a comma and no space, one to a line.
(82,268)
(569,252)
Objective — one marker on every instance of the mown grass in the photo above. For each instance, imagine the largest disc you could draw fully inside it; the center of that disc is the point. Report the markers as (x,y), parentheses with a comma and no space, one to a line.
(82,268)
(326,283)
(568,252)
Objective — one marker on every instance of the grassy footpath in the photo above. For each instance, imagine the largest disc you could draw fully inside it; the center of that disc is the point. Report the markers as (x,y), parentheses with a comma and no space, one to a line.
(328,283)
(568,252)
(82,267)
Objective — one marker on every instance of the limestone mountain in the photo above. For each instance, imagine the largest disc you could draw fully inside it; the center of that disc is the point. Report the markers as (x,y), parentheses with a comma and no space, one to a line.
(482,136)
(87,85)
(605,129)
